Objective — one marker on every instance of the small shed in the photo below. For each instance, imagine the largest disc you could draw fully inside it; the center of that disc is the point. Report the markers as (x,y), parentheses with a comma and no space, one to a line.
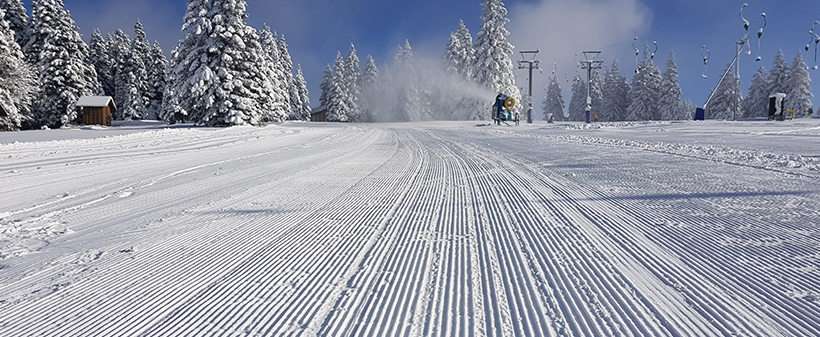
(96,110)
(318,114)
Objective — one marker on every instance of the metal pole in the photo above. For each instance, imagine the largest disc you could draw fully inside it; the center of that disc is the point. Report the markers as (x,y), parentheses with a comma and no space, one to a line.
(530,84)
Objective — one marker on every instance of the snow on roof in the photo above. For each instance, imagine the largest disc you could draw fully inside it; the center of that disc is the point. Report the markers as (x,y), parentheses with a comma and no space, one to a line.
(95,101)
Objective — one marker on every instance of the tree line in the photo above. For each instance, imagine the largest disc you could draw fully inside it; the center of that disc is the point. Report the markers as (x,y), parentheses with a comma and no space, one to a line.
(222,73)
(459,86)
(653,95)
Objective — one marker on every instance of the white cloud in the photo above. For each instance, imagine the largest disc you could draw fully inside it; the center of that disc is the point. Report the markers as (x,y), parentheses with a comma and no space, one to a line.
(564,28)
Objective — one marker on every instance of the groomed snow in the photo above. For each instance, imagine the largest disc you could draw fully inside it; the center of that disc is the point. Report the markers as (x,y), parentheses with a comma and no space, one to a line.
(417,229)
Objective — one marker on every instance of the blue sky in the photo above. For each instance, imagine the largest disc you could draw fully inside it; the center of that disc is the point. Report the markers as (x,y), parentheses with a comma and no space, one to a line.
(317,29)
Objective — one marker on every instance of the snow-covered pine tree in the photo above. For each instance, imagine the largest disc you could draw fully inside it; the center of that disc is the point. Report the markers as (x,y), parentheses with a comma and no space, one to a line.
(688,110)
(337,109)
(405,76)
(17,19)
(225,85)
(157,80)
(728,98)
(492,65)
(799,88)
(17,79)
(243,90)
(287,79)
(353,73)
(303,94)
(643,95)
(326,87)
(58,54)
(778,75)
(669,102)
(141,56)
(280,101)
(616,93)
(188,73)
(458,57)
(127,97)
(554,101)
(100,57)
(133,106)
(578,102)
(367,85)
(596,92)
(756,103)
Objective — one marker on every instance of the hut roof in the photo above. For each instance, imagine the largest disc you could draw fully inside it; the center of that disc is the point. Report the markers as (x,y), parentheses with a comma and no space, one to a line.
(96,102)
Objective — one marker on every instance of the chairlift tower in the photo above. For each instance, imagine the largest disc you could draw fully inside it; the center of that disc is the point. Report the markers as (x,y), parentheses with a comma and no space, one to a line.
(590,62)
(532,63)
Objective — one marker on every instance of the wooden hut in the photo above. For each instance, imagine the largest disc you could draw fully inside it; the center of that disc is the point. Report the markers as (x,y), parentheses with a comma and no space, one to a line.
(318,114)
(96,110)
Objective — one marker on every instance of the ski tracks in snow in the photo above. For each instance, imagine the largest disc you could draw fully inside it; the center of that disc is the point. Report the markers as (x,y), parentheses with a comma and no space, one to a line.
(398,231)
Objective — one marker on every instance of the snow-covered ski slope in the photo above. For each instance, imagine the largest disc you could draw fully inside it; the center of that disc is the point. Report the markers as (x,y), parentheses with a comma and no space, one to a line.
(426,229)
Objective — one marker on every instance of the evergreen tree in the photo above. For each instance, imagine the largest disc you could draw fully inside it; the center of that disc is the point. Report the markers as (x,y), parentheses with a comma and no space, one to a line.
(492,65)
(459,55)
(289,87)
(58,55)
(406,80)
(352,77)
(127,97)
(728,98)
(337,109)
(326,87)
(223,81)
(596,93)
(303,94)
(156,81)
(778,75)
(367,85)
(275,69)
(132,106)
(141,59)
(17,82)
(799,88)
(688,110)
(17,19)
(756,103)
(188,72)
(669,102)
(100,57)
(616,93)
(554,101)
(578,102)
(643,95)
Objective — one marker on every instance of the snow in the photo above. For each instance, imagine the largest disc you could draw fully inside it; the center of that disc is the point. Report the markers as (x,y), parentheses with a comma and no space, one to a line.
(705,228)
(94,101)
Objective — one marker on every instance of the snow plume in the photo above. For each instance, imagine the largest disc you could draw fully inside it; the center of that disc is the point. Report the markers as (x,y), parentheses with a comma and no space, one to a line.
(420,89)
(564,28)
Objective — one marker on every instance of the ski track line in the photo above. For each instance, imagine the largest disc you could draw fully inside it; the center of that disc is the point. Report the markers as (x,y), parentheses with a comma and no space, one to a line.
(95,199)
(573,306)
(309,263)
(403,232)
(766,328)
(793,318)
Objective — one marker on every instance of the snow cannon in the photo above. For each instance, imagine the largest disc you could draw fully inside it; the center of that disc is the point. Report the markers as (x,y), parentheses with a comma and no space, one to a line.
(503,109)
